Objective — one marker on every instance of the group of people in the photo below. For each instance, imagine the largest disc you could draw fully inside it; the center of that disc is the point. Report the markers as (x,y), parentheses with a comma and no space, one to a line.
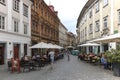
(93,58)
(49,57)
(15,63)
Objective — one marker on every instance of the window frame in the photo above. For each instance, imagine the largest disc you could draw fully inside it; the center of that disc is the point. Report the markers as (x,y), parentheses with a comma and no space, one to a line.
(25,28)
(97,6)
(97,25)
(90,13)
(118,16)
(16,5)
(105,22)
(85,31)
(105,3)
(3,2)
(90,28)
(25,10)
(2,22)
(16,25)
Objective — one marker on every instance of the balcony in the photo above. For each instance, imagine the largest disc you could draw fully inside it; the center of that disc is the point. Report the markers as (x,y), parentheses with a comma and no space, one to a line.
(105,31)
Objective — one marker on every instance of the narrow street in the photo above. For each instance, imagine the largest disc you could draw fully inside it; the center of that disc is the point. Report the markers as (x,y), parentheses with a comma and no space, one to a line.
(63,70)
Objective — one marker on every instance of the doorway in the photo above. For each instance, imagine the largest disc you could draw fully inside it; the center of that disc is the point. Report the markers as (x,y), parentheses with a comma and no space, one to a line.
(16,51)
(25,49)
(105,47)
(2,48)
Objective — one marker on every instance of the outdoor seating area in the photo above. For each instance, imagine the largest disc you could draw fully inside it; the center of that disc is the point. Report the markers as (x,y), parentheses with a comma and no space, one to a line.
(109,60)
(27,64)
(95,60)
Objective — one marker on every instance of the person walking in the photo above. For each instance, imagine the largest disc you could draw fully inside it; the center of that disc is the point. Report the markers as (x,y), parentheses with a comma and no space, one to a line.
(51,54)
(68,55)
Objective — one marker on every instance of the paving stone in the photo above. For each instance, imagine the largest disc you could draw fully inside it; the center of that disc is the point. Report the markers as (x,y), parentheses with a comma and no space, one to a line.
(63,70)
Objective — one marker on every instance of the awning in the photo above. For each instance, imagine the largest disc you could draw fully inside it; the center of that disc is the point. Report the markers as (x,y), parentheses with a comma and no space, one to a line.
(89,44)
(107,39)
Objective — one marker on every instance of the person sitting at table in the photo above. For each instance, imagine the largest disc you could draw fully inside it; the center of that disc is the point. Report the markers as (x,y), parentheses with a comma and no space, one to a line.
(104,62)
(90,56)
(34,58)
(26,59)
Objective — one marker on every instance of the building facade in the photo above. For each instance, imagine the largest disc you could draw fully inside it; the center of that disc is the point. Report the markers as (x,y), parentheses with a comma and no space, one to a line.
(62,35)
(15,29)
(71,40)
(45,23)
(99,18)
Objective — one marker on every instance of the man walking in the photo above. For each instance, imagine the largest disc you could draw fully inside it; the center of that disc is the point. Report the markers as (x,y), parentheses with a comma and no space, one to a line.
(51,54)
(68,55)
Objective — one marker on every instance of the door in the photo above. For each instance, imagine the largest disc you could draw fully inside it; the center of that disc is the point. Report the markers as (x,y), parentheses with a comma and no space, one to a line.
(25,49)
(16,51)
(1,54)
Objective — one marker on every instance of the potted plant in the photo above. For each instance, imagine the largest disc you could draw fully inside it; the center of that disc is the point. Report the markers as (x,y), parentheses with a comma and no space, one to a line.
(113,57)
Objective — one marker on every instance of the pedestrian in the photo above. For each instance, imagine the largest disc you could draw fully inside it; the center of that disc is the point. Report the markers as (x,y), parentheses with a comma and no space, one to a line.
(68,55)
(51,54)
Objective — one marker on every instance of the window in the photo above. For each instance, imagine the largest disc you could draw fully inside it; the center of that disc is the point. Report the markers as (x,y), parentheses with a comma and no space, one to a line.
(105,2)
(97,26)
(2,1)
(97,7)
(16,25)
(90,29)
(25,10)
(85,31)
(119,16)
(16,5)
(81,34)
(25,28)
(90,14)
(2,22)
(105,22)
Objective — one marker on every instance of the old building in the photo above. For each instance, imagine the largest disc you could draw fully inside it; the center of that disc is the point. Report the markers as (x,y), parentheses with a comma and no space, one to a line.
(15,29)
(45,23)
(99,18)
(71,40)
(62,35)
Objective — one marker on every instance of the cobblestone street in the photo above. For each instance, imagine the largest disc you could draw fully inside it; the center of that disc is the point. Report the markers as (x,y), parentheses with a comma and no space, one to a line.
(63,70)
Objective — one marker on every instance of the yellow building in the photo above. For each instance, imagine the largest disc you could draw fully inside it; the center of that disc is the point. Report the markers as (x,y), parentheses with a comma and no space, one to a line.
(99,18)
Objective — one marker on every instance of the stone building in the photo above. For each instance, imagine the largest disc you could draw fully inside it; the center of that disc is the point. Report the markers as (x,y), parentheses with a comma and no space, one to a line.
(99,18)
(44,23)
(62,35)
(15,29)
(71,40)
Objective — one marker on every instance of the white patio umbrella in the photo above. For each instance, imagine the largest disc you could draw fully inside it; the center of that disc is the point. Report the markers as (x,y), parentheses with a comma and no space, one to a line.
(41,45)
(69,46)
(55,46)
(89,44)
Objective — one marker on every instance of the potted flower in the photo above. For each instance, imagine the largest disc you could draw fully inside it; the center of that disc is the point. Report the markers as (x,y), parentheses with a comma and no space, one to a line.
(114,58)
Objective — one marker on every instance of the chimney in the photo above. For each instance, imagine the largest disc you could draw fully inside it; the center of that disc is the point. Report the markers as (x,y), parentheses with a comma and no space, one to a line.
(51,7)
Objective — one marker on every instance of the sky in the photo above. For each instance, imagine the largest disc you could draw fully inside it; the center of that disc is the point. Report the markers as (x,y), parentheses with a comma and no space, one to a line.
(68,11)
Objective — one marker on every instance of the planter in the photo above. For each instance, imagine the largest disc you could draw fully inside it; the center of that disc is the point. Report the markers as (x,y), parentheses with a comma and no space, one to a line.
(116,69)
